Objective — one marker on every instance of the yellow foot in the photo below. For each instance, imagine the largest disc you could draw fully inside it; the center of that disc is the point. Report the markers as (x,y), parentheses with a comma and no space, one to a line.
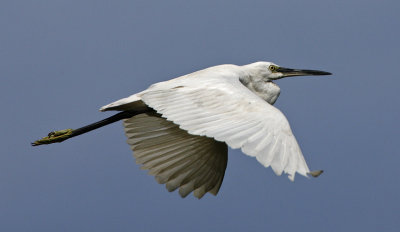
(54,137)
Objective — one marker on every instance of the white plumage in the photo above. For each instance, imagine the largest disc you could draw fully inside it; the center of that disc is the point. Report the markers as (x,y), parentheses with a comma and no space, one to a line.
(184,143)
(176,158)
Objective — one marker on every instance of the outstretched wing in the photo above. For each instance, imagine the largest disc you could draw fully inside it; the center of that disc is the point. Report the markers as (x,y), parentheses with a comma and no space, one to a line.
(175,157)
(223,109)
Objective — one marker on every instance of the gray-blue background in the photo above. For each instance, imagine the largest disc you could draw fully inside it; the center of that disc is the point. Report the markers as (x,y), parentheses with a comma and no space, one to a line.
(61,60)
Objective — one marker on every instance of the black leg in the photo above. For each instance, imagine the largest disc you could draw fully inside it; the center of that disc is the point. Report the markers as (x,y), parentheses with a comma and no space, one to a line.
(61,135)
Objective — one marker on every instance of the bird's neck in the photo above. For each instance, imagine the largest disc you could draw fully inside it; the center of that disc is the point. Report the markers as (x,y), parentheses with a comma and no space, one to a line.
(267,90)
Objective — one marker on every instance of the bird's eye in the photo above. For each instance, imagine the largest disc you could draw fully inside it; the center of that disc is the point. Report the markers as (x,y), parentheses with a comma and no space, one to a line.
(272,68)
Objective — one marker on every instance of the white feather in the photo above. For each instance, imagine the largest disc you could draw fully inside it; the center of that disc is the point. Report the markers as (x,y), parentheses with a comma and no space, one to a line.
(215,103)
(176,157)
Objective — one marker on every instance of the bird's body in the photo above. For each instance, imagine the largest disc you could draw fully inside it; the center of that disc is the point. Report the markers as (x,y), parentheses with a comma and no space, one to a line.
(226,73)
(181,128)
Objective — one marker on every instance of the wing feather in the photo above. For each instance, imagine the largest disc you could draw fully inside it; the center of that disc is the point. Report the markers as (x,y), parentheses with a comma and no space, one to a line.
(176,158)
(212,103)
(229,112)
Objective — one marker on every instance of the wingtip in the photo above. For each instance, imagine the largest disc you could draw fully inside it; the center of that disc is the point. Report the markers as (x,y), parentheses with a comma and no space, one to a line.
(316,173)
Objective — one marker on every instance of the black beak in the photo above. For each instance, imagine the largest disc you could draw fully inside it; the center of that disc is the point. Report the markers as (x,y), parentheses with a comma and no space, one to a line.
(288,72)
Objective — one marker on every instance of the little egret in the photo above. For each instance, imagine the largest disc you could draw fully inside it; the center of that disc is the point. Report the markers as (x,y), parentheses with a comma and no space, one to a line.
(180,129)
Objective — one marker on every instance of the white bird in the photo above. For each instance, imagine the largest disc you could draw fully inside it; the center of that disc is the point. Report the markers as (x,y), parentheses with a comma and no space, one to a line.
(179,129)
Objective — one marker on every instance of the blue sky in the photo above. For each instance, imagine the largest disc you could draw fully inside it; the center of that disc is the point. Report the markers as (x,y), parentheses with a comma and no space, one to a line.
(61,60)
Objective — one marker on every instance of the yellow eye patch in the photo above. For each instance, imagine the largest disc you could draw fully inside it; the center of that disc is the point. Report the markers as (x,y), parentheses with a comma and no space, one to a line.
(273,68)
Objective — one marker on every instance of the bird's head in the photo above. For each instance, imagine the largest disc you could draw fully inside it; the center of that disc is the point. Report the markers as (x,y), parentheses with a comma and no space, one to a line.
(269,71)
